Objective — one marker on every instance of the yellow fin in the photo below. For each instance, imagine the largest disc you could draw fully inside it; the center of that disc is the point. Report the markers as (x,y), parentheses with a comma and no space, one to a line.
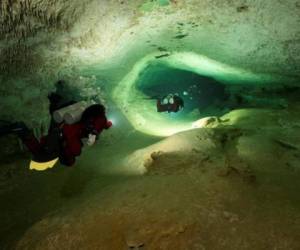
(41,166)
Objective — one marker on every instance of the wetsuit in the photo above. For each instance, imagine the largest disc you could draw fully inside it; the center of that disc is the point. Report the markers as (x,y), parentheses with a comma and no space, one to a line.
(64,141)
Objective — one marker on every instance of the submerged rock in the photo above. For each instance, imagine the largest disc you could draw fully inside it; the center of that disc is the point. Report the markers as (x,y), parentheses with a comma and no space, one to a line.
(134,239)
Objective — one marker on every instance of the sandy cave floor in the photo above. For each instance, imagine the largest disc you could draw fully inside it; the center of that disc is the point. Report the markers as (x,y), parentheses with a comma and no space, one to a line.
(232,185)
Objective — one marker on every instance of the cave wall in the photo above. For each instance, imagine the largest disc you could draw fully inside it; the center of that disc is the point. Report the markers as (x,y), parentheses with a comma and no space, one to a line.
(45,41)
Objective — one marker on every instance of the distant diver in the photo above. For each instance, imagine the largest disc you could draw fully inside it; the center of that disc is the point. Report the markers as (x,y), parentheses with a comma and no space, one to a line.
(170,103)
(70,124)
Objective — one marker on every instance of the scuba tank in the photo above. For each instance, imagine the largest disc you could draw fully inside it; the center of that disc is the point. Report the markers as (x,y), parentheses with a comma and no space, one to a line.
(72,113)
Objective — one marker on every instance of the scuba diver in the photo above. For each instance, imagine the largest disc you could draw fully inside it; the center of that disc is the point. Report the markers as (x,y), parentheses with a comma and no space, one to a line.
(170,103)
(69,125)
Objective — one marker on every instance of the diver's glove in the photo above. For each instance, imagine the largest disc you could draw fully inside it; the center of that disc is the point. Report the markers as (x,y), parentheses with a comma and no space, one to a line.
(91,139)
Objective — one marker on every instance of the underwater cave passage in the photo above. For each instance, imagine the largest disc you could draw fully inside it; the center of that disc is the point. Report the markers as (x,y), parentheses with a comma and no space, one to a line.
(141,95)
(201,94)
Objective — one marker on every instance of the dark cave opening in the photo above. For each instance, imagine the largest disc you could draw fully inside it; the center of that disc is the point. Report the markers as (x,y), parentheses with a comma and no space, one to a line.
(204,94)
(198,92)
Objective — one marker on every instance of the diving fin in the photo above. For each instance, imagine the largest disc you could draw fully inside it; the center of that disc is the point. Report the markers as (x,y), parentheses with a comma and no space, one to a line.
(41,166)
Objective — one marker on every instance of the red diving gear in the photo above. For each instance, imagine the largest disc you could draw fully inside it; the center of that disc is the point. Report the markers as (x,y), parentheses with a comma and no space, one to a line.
(170,103)
(70,137)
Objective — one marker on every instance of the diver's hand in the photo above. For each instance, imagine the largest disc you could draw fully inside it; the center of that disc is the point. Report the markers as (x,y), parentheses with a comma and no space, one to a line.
(91,140)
